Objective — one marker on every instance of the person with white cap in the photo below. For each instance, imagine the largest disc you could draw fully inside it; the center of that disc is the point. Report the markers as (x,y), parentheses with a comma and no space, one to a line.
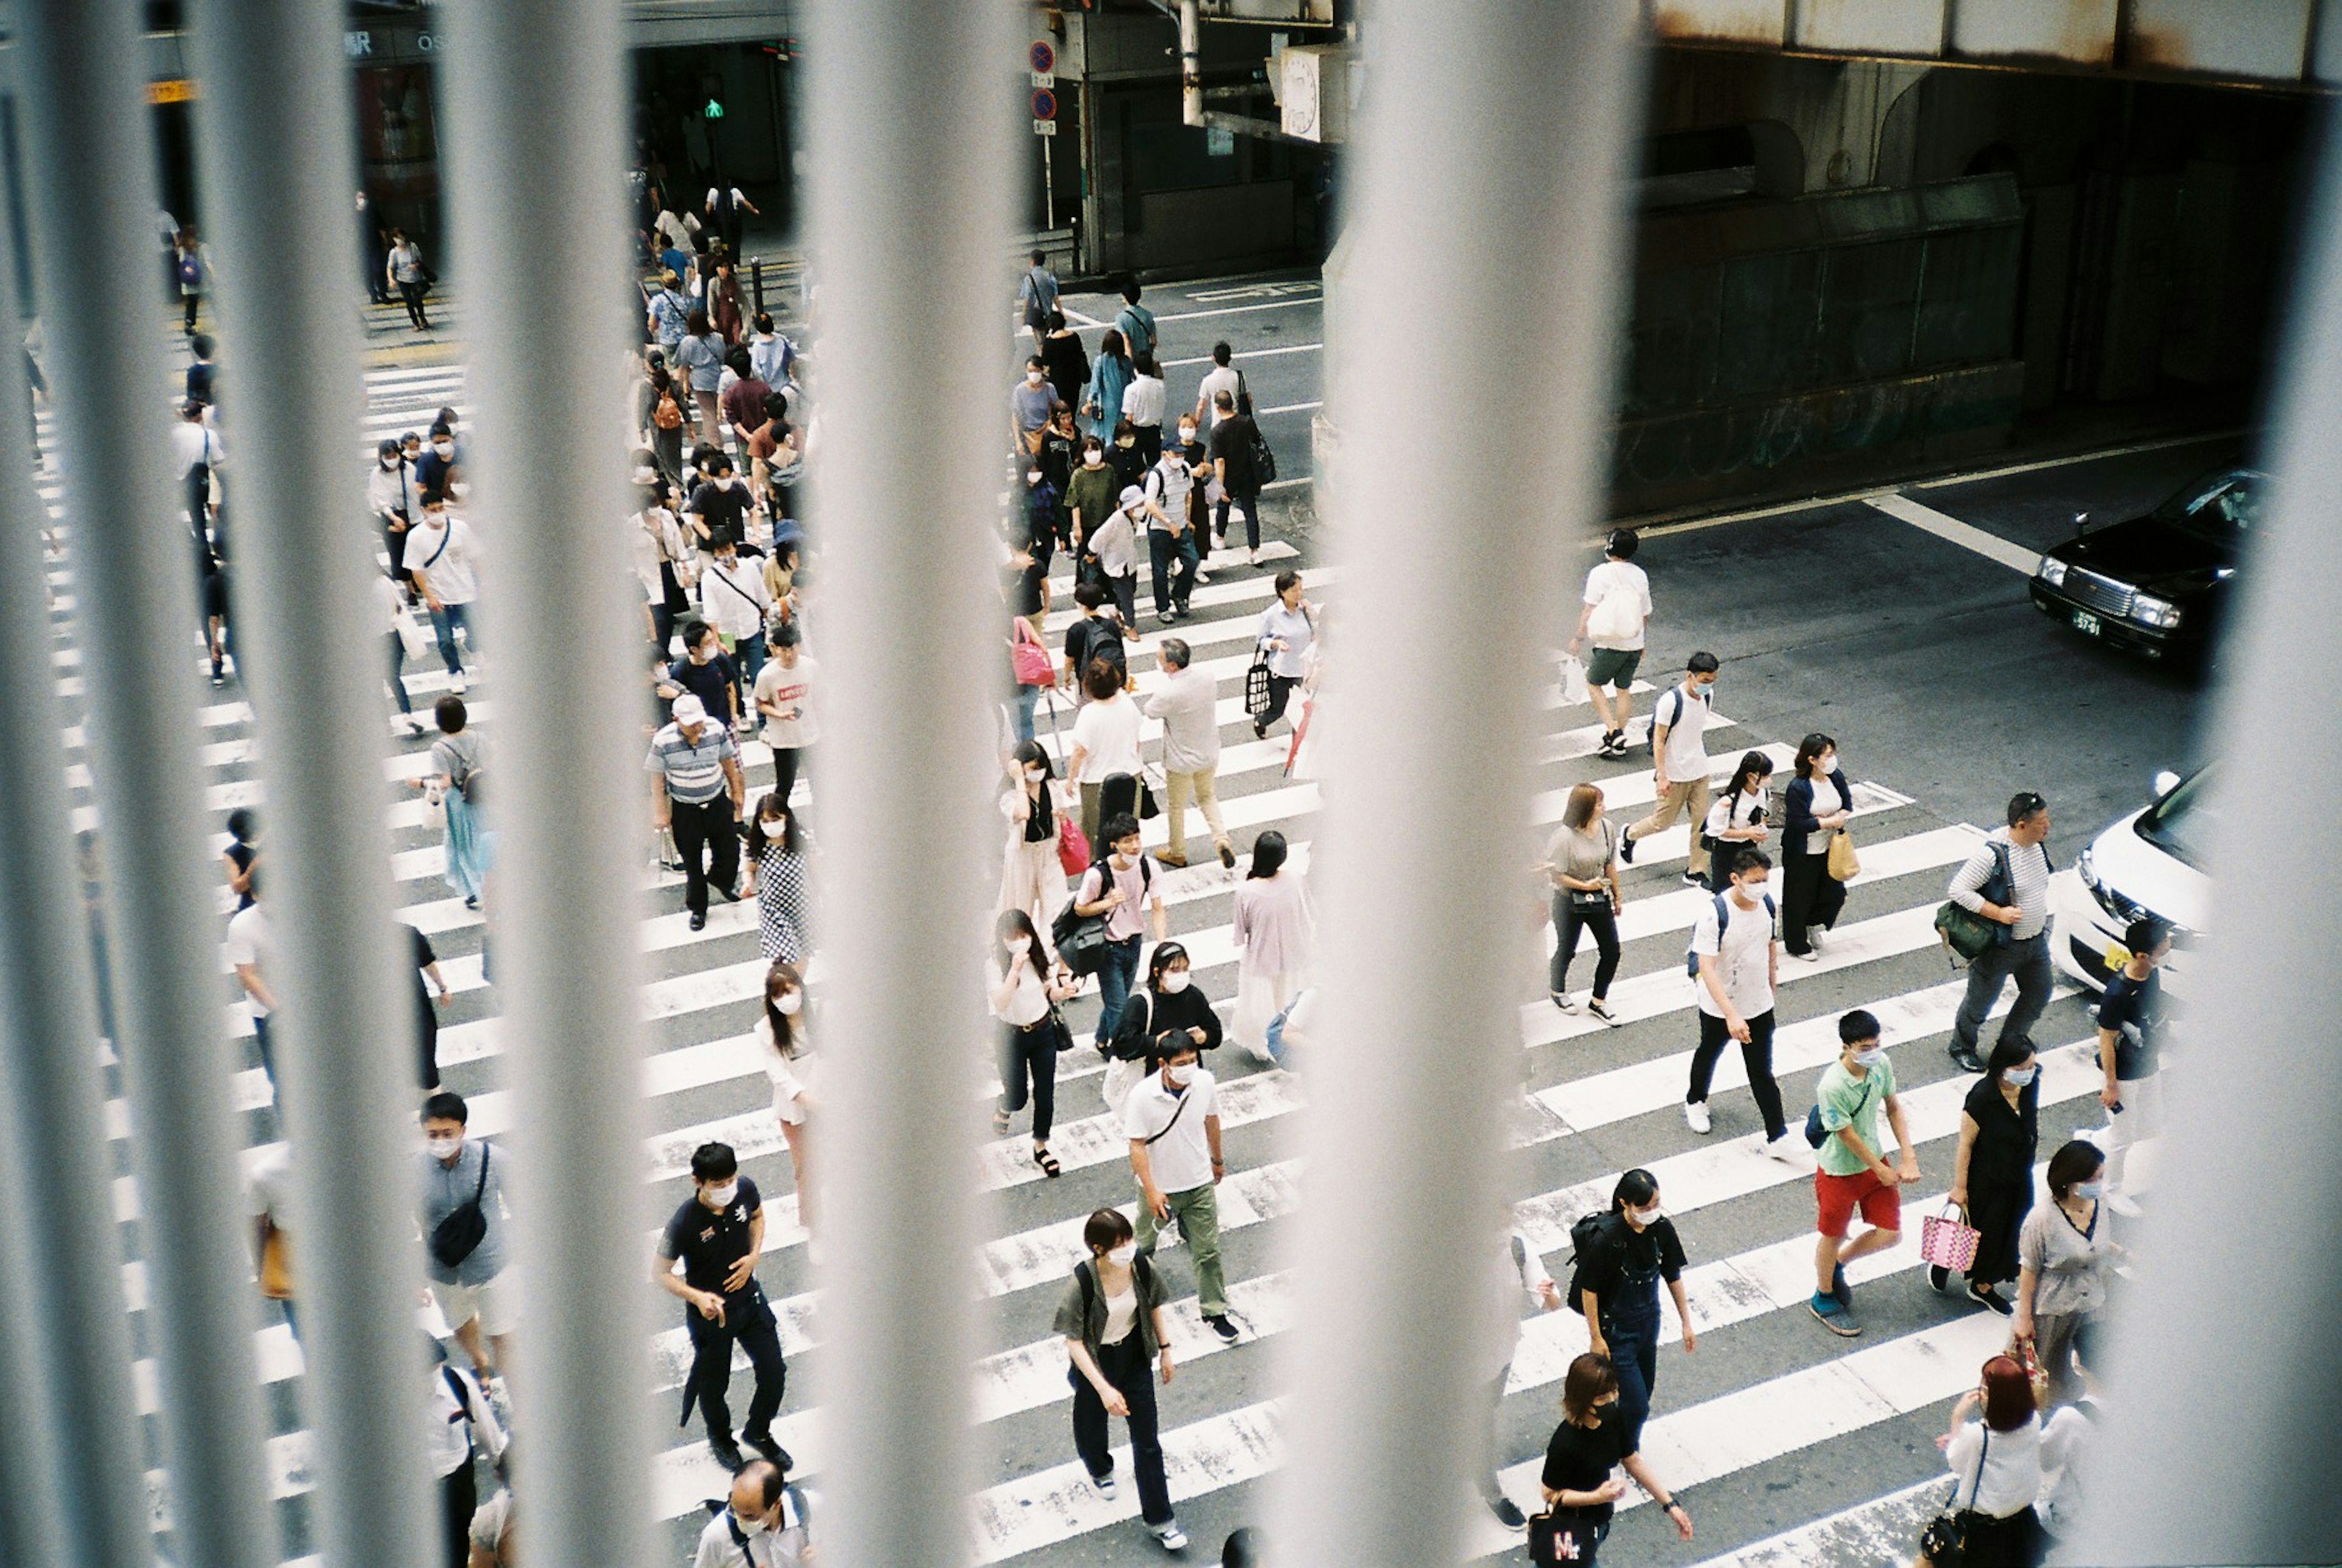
(1115,544)
(699,792)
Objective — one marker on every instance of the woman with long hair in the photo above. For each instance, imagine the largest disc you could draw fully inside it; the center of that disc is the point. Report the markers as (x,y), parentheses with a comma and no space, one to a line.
(1581,860)
(1110,376)
(780,876)
(1617,1287)
(458,771)
(1591,1441)
(781,1031)
(1815,806)
(1024,990)
(1735,818)
(1031,878)
(1276,929)
(1166,1014)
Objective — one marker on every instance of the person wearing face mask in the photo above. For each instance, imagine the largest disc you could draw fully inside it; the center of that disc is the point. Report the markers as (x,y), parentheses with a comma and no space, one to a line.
(1617,1286)
(1091,495)
(1110,376)
(1112,547)
(1111,1315)
(786,1054)
(1030,404)
(2131,1017)
(780,875)
(784,695)
(733,600)
(717,1236)
(1287,629)
(1579,1492)
(436,467)
(1736,819)
(1680,765)
(1142,405)
(1851,1172)
(1173,1120)
(1067,361)
(1817,805)
(442,557)
(1123,456)
(1275,928)
(1188,706)
(1992,1173)
(1042,498)
(1169,485)
(662,560)
(2006,881)
(718,511)
(1059,455)
(467,1261)
(1023,992)
(2067,1254)
(393,495)
(1031,878)
(764,1524)
(1166,1013)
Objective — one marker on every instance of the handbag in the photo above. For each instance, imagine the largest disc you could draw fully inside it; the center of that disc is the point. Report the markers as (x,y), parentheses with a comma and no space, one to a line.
(1966,934)
(410,640)
(1264,461)
(1029,659)
(1149,808)
(1256,684)
(1949,1240)
(455,1237)
(1073,849)
(1844,866)
(1573,681)
(1944,1540)
(1562,1537)
(276,1267)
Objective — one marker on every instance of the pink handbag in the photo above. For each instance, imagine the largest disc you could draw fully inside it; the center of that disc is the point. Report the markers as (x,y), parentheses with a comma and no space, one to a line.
(1949,1240)
(1027,657)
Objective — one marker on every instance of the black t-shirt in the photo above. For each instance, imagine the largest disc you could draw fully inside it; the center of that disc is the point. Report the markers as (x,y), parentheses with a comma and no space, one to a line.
(724,511)
(200,382)
(710,1242)
(1232,440)
(708,683)
(424,957)
(1626,1257)
(2133,1009)
(1057,459)
(1581,1458)
(1022,586)
(1128,462)
(1094,637)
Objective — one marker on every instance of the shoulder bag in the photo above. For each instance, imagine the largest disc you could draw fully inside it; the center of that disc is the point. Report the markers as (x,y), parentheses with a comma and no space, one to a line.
(1256,690)
(1073,849)
(1943,1541)
(275,1266)
(1028,657)
(459,1236)
(1967,934)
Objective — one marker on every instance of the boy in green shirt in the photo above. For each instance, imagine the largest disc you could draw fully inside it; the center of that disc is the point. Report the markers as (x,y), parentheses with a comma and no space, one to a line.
(1851,1173)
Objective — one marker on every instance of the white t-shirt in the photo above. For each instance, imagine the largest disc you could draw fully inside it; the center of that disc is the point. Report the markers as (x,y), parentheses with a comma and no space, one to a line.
(247,942)
(1686,719)
(1108,734)
(1622,577)
(2011,1477)
(268,1187)
(453,573)
(788,689)
(1218,379)
(1744,957)
(1142,400)
(1122,1312)
(1168,484)
(1029,1004)
(1743,807)
(1182,1157)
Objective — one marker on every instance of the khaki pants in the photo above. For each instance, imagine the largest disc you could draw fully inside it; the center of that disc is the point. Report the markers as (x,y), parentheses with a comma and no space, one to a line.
(1691,795)
(1179,787)
(1198,1210)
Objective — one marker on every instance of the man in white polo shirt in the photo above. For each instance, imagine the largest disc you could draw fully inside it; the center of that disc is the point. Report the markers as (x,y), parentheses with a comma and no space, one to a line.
(1173,1120)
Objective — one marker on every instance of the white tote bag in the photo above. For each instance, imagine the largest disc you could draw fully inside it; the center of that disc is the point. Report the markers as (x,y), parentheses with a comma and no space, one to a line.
(1573,681)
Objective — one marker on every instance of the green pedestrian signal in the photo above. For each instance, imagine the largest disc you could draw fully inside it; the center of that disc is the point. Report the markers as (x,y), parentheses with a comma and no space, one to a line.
(714,110)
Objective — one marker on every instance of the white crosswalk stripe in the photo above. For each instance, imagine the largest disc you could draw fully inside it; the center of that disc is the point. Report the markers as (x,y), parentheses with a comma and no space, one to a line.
(1595,1097)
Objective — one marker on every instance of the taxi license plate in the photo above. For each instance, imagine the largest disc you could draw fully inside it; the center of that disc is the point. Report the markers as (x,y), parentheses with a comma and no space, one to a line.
(2086,621)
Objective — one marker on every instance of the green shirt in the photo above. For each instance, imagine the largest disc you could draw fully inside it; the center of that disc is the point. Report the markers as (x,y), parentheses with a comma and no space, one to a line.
(1859,1103)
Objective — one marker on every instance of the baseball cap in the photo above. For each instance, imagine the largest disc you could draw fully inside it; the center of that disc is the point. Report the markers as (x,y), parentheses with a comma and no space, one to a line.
(689,709)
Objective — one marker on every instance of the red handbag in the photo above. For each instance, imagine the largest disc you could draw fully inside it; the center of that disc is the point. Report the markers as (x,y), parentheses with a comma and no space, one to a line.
(1073,849)
(1028,658)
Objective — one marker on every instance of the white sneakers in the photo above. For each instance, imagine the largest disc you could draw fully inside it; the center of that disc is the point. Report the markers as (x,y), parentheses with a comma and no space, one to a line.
(456,684)
(1696,1115)
(1170,1535)
(1789,1148)
(1564,1000)
(1818,938)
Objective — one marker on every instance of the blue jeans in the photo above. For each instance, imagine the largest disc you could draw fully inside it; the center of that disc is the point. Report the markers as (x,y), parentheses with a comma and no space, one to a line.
(397,674)
(1175,559)
(444,620)
(748,658)
(1021,715)
(1118,967)
(1631,1322)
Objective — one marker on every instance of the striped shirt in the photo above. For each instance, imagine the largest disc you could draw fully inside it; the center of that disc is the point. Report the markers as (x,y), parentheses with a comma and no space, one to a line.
(2028,868)
(695,774)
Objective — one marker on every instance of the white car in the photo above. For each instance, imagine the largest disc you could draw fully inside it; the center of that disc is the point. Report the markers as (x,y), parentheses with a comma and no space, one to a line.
(2148,863)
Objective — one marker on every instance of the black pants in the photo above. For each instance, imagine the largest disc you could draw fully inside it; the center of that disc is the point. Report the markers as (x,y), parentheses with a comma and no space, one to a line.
(747,1321)
(1250,501)
(2011,1543)
(1280,690)
(1126,1366)
(1150,444)
(1030,1053)
(708,840)
(787,761)
(412,293)
(426,1023)
(459,1497)
(1569,920)
(1996,1208)
(1810,895)
(1757,1057)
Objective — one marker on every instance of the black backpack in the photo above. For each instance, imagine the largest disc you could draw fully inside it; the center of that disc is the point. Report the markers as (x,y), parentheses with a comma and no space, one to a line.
(1590,1231)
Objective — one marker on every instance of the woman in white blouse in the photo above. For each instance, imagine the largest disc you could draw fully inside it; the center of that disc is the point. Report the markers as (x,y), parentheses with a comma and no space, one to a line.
(1023,988)
(1031,878)
(1275,931)
(1997,1465)
(781,1031)
(1815,806)
(1287,628)
(663,562)
(1735,817)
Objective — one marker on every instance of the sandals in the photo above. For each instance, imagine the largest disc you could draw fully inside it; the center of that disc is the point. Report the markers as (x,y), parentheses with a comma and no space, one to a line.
(1049,1163)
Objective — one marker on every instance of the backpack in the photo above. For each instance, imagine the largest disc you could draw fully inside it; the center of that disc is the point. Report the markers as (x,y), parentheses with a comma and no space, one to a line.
(1613,616)
(1723,919)
(1585,1235)
(668,414)
(191,269)
(1264,461)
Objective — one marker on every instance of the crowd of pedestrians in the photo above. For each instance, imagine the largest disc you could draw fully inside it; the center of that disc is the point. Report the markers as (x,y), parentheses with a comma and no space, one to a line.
(725,422)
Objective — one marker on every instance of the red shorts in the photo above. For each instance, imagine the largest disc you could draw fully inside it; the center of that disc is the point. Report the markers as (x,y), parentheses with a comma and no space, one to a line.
(1837,1197)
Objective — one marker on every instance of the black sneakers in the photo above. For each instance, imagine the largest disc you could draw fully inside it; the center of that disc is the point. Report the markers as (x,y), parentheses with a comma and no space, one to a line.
(727,1454)
(1508,1514)
(762,1442)
(1219,1325)
(1627,849)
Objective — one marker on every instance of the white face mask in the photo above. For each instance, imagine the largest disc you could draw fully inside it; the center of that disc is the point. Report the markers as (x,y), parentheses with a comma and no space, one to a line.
(751,1525)
(723,481)
(1036,775)
(442,449)
(1649,1216)
(1186,433)
(2018,1077)
(1870,1058)
(1124,1255)
(1093,459)
(443,1148)
(1032,378)
(1183,1075)
(721,1197)
(1175,981)
(1020,946)
(789,1003)
(1032,476)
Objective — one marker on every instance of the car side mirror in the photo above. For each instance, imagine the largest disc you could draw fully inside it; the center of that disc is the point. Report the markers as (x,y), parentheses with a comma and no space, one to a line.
(2165,782)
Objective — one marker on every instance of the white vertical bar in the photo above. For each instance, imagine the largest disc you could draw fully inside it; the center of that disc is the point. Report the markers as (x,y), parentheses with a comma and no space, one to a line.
(2222,1365)
(76,1400)
(910,118)
(273,129)
(1490,179)
(92,157)
(535,94)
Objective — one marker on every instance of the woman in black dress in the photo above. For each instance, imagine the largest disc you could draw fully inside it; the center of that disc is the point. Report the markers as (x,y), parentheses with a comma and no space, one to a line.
(1992,1175)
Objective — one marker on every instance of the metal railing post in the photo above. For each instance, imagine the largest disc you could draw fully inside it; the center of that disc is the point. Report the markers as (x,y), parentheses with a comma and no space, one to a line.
(909,214)
(272,129)
(1519,206)
(88,135)
(535,92)
(74,1412)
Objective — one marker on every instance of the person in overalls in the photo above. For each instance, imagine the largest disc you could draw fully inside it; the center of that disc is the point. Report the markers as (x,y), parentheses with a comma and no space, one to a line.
(1621,1258)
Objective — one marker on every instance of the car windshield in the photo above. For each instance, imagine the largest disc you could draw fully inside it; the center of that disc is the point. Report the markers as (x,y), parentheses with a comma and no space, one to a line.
(2224,509)
(2182,823)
